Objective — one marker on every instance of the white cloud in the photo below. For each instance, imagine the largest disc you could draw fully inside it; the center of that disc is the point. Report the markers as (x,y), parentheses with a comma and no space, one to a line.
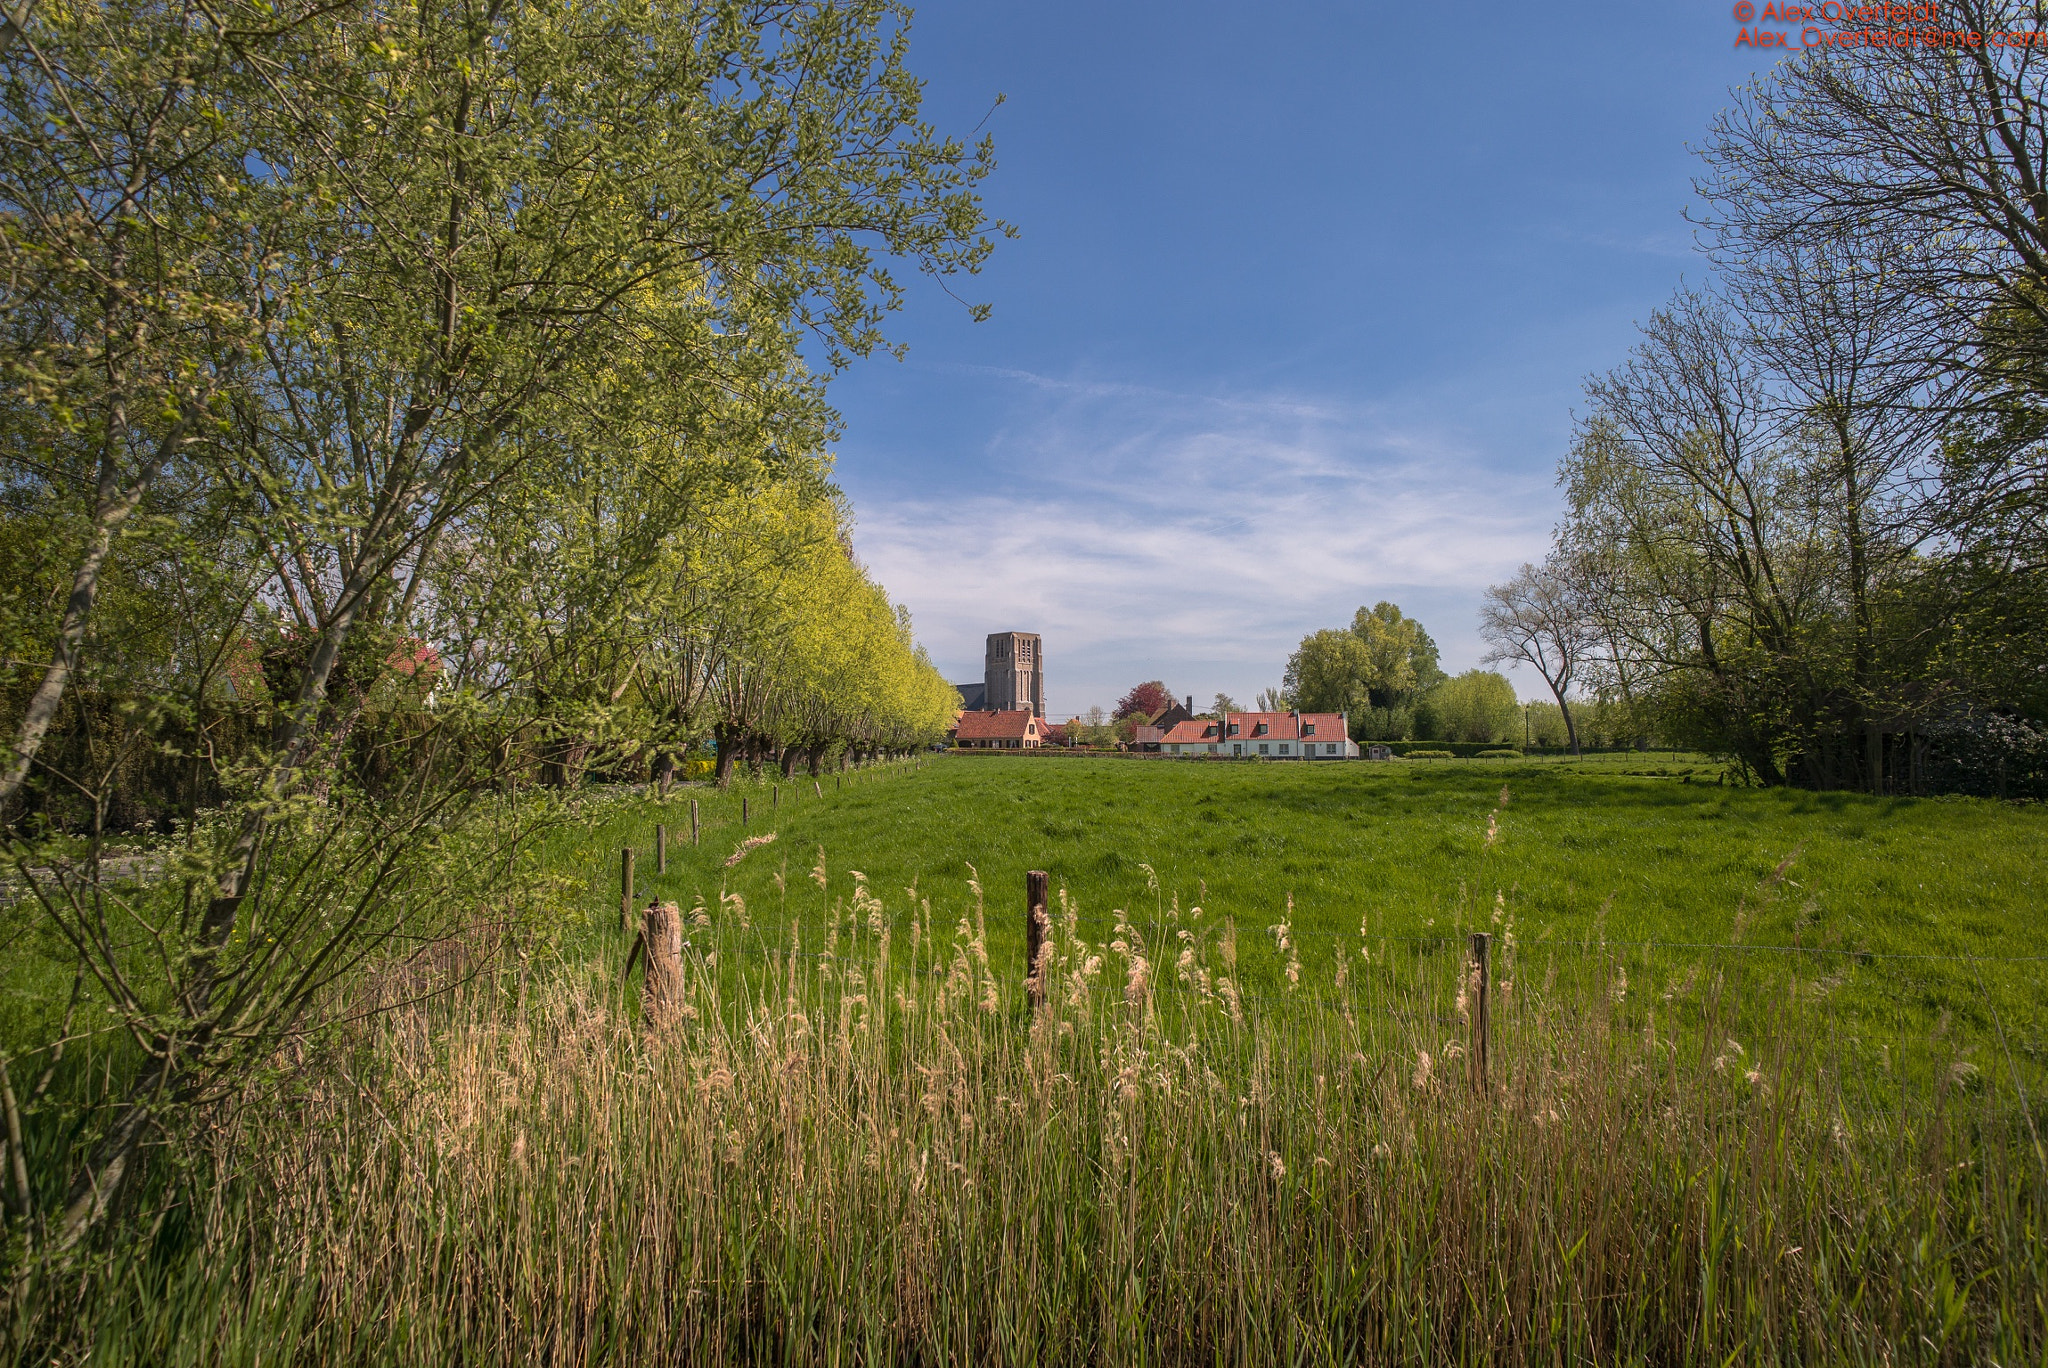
(1196,538)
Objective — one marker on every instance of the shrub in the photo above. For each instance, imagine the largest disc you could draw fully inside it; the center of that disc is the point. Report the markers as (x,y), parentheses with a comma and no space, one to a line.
(1429,755)
(1500,753)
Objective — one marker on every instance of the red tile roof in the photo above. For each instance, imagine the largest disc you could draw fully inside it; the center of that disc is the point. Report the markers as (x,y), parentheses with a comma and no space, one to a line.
(1197,730)
(1282,726)
(1014,724)
(1328,727)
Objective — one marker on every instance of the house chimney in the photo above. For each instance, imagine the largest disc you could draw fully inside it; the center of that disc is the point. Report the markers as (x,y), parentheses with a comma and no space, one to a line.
(1191,705)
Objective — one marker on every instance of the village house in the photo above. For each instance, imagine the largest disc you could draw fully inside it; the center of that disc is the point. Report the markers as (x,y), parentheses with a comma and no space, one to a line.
(1267,735)
(999,729)
(1197,736)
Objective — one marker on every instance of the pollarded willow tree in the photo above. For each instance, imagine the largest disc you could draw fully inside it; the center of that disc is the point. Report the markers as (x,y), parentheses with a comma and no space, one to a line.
(414,339)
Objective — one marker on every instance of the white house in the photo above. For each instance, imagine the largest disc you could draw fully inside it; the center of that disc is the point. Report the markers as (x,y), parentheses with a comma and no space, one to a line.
(1265,735)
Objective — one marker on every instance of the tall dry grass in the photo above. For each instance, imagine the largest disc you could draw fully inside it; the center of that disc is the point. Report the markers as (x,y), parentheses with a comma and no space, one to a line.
(857,1146)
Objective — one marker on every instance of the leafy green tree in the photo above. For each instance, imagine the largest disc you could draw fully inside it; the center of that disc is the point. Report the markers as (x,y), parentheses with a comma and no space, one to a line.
(1331,671)
(1375,672)
(405,291)
(1478,705)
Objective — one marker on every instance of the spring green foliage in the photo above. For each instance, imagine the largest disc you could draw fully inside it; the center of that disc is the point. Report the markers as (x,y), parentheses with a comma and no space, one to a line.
(399,408)
(1478,705)
(1380,671)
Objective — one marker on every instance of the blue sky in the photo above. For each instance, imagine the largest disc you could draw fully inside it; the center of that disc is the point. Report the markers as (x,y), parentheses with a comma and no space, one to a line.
(1297,321)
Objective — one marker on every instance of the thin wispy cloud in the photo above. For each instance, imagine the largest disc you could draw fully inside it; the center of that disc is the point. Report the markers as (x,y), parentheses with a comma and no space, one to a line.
(1195,538)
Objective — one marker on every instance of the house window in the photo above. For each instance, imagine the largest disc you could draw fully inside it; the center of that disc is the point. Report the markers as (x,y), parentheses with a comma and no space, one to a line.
(1329,748)
(1262,748)
(1308,729)
(1283,748)
(1260,730)
(1233,729)
(1236,747)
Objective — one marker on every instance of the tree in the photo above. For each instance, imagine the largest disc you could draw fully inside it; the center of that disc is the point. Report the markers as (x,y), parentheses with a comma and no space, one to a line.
(431,281)
(1935,146)
(1538,619)
(1273,700)
(1404,671)
(1223,705)
(1478,705)
(130,220)
(1331,671)
(1147,700)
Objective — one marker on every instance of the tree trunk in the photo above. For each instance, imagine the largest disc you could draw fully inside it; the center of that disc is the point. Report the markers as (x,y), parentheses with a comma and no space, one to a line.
(728,743)
(112,504)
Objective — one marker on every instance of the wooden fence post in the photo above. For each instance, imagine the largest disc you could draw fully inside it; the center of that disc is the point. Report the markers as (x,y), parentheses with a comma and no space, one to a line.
(626,888)
(743,813)
(1036,924)
(775,803)
(660,848)
(1481,942)
(817,788)
(661,991)
(693,823)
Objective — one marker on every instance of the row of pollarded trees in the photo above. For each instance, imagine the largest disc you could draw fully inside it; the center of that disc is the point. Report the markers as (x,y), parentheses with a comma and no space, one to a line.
(1807,522)
(814,662)
(413,387)
(746,622)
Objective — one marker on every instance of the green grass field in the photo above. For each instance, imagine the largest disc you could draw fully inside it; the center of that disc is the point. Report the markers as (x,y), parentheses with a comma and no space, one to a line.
(1604,849)
(1789,1131)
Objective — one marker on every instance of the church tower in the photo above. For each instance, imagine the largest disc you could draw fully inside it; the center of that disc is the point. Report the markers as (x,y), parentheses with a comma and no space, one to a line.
(1013,674)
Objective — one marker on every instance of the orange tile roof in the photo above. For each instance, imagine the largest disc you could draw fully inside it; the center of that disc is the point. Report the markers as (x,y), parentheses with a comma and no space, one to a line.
(1014,724)
(1197,729)
(1282,726)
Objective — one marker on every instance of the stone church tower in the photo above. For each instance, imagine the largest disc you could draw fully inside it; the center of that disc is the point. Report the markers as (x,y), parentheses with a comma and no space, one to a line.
(1013,672)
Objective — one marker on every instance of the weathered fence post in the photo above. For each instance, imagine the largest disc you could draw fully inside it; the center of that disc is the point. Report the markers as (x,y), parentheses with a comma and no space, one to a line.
(818,788)
(626,888)
(1036,924)
(661,992)
(775,803)
(743,812)
(1481,942)
(660,848)
(693,823)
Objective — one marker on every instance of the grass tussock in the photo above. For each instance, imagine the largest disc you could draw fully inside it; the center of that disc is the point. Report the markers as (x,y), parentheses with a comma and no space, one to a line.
(865,1147)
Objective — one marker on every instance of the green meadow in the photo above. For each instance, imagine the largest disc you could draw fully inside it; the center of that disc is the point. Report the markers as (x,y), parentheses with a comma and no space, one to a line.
(1916,915)
(1764,1084)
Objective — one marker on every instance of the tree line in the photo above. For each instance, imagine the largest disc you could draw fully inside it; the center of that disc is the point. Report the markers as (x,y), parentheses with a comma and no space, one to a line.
(1804,516)
(1806,525)
(398,406)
